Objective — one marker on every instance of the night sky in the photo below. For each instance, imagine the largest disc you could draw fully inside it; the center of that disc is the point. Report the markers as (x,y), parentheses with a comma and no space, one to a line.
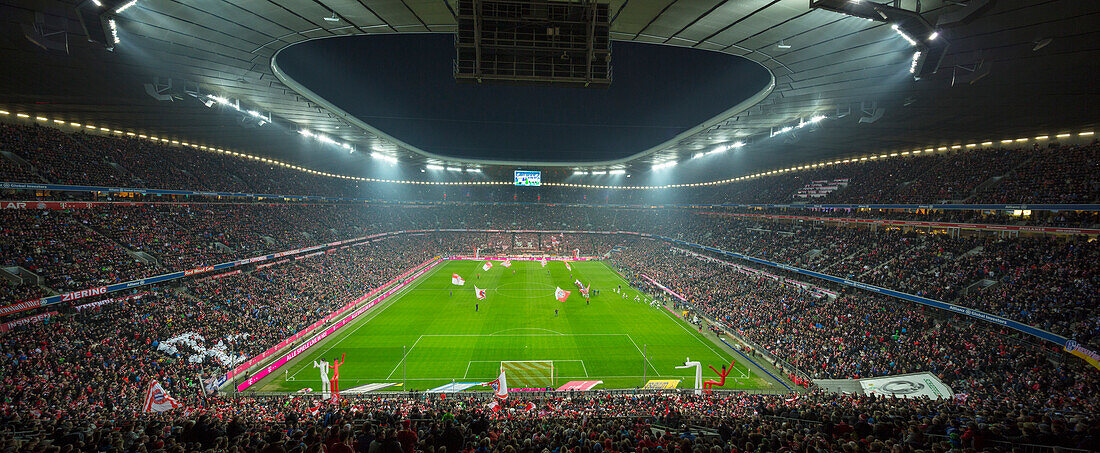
(402,85)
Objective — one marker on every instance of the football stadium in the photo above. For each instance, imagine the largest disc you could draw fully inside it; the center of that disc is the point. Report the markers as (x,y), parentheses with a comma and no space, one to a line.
(585,226)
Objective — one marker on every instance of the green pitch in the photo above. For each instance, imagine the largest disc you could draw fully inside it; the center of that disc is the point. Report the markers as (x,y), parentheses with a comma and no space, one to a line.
(446,340)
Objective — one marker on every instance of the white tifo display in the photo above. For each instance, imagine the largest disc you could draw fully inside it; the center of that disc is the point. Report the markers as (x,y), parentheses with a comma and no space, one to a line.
(529,373)
(915,385)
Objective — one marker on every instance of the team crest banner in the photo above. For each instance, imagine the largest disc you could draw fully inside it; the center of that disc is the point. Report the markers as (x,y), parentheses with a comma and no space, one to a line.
(915,385)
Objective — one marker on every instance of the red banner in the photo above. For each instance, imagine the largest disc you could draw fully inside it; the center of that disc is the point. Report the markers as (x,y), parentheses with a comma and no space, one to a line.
(28,320)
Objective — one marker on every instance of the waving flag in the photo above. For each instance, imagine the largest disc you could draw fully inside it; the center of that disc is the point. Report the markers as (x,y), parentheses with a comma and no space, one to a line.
(544,261)
(158,400)
(500,386)
(494,406)
(480,293)
(567,266)
(456,280)
(561,294)
(584,292)
(488,265)
(506,263)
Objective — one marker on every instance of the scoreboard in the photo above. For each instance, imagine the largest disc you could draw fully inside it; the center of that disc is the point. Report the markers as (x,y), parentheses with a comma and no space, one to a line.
(528,178)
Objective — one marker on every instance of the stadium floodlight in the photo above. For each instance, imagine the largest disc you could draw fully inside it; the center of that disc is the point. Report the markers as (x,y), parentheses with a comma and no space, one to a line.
(617,172)
(383,157)
(1063,135)
(580,173)
(913,64)
(697,155)
(126,6)
(473,170)
(1085,134)
(601,172)
(114,30)
(912,42)
(433,167)
(664,165)
(454,169)
(305,132)
(933,36)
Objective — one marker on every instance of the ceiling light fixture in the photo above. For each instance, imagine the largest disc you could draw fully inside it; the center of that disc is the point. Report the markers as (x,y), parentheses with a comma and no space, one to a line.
(126,6)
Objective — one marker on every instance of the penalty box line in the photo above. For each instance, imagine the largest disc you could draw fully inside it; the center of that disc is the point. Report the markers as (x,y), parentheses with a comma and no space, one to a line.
(690,333)
(407,353)
(466,374)
(341,336)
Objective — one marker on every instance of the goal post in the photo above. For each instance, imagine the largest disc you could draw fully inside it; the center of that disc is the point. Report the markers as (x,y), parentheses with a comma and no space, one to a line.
(529,373)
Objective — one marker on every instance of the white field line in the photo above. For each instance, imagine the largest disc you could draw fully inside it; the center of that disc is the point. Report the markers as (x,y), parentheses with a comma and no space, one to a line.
(407,352)
(642,354)
(343,335)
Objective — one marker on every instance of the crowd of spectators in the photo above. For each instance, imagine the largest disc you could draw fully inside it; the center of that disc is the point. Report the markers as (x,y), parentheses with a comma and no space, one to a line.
(859,334)
(1044,281)
(74,381)
(1053,173)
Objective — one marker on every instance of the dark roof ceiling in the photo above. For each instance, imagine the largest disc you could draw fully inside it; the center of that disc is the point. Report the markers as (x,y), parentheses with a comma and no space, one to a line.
(835,64)
(403,86)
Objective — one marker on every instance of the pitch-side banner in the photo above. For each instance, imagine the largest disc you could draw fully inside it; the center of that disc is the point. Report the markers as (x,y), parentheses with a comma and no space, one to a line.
(916,385)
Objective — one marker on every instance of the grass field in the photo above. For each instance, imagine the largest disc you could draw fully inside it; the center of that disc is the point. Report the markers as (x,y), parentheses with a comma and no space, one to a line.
(448,341)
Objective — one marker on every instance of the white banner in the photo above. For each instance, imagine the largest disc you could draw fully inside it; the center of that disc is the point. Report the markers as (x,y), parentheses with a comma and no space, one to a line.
(915,385)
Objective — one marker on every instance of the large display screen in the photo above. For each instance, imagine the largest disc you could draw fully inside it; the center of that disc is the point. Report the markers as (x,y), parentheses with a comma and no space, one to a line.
(528,178)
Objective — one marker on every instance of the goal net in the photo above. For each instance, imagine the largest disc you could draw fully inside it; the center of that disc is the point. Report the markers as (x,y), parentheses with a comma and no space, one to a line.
(529,373)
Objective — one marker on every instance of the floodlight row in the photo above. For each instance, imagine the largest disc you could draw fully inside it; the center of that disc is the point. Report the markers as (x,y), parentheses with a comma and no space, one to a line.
(915,152)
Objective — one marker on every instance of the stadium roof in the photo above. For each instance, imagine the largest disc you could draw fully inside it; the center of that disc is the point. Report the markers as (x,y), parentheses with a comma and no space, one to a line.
(1041,55)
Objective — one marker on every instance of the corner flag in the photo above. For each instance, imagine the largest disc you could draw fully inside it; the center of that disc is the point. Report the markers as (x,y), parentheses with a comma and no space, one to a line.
(561,294)
(456,280)
(480,293)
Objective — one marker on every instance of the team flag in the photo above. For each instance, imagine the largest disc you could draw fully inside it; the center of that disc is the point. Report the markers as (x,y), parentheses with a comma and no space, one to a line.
(158,400)
(544,261)
(506,263)
(488,265)
(494,406)
(500,386)
(456,280)
(584,292)
(480,293)
(567,266)
(561,294)
(530,406)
